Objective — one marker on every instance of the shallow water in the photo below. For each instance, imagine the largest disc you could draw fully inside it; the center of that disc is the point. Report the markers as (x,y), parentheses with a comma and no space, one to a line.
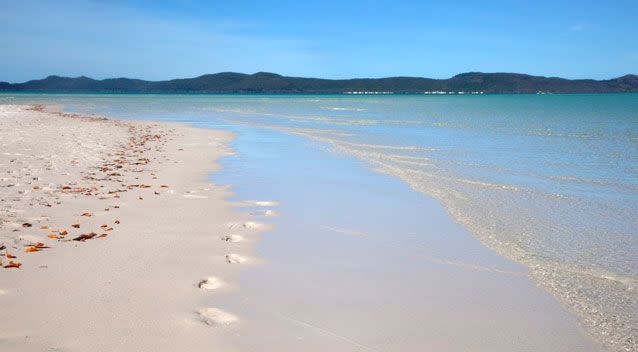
(359,262)
(550,181)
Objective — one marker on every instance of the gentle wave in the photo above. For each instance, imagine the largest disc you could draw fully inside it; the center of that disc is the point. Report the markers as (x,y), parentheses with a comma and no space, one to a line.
(344,109)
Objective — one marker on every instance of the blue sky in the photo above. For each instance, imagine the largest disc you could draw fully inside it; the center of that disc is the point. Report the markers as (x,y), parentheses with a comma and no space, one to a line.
(332,39)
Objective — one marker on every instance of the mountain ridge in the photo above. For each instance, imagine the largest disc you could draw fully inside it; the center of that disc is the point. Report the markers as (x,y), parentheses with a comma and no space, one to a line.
(266,82)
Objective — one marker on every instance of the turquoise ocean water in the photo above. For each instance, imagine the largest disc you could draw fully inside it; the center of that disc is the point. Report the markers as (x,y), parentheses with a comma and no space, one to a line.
(549,181)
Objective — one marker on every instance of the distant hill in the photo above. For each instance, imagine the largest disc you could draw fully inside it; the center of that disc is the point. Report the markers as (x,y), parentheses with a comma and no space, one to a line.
(263,82)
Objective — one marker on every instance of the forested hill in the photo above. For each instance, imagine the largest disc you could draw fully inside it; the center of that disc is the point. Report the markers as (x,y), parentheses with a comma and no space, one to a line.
(263,82)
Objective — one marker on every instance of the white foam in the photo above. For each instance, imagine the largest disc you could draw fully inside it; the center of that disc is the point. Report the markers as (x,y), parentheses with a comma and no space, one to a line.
(266,203)
(259,203)
(344,109)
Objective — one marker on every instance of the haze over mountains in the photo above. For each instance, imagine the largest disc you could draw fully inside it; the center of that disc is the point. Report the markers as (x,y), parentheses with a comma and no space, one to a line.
(264,82)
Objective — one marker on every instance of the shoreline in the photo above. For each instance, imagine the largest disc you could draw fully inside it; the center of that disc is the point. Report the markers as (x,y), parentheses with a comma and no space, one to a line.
(367,252)
(159,237)
(320,330)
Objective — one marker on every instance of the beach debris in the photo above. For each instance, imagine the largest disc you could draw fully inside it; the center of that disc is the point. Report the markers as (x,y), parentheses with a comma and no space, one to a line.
(35,247)
(115,166)
(13,264)
(85,236)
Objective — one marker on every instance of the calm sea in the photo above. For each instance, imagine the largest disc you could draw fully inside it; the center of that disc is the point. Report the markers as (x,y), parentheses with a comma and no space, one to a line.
(549,181)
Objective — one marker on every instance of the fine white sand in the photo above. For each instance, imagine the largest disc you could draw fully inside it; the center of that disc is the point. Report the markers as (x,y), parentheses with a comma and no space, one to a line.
(161,239)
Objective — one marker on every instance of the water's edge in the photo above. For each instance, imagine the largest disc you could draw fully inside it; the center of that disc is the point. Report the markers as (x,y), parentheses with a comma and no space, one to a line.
(548,182)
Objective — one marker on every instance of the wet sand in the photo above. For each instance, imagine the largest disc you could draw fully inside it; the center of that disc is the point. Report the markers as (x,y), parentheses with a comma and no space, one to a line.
(360,262)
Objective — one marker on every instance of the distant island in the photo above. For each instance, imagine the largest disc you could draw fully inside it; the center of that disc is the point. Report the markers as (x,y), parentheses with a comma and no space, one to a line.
(264,82)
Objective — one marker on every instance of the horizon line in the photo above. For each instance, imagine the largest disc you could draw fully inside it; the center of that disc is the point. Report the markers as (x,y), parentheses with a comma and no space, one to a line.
(328,79)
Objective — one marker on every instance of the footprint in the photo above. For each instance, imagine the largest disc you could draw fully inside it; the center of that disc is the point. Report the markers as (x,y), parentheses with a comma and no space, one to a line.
(211,283)
(232,238)
(235,259)
(264,213)
(251,225)
(246,225)
(216,317)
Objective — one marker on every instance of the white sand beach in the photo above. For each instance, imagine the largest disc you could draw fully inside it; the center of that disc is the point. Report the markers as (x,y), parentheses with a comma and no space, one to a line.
(255,176)
(111,235)
(114,239)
